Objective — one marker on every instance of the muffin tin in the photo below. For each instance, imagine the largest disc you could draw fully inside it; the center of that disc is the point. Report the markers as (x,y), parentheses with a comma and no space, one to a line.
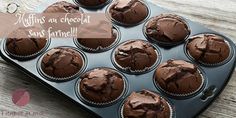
(215,77)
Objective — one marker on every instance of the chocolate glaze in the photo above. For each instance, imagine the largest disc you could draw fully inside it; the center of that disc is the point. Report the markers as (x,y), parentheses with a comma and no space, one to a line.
(178,77)
(101,85)
(62,62)
(62,7)
(136,55)
(146,104)
(128,11)
(208,48)
(167,28)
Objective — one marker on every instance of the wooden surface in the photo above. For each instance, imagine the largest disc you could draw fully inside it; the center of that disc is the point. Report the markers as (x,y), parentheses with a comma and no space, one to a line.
(218,15)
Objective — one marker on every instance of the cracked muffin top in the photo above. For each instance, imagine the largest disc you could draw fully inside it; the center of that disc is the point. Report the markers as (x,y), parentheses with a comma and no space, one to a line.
(101,85)
(91,3)
(135,55)
(24,46)
(178,77)
(98,43)
(62,62)
(128,11)
(62,7)
(208,48)
(167,28)
(146,104)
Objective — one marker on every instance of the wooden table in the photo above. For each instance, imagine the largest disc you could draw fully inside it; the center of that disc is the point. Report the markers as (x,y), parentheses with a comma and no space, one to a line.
(219,15)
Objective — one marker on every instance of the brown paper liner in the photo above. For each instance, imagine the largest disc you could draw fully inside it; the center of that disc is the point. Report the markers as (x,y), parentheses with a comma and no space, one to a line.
(209,64)
(27,57)
(62,79)
(147,69)
(124,24)
(77,89)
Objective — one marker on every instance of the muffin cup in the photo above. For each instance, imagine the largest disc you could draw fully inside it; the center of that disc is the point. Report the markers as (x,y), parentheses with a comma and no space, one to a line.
(125,24)
(147,69)
(170,107)
(62,79)
(26,57)
(105,104)
(162,43)
(183,95)
(231,52)
(100,49)
(92,7)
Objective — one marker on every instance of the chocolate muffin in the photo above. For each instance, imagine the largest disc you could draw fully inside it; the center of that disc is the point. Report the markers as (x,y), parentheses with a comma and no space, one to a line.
(167,28)
(208,48)
(61,63)
(101,85)
(136,55)
(98,44)
(178,77)
(91,3)
(62,7)
(128,11)
(146,104)
(24,46)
